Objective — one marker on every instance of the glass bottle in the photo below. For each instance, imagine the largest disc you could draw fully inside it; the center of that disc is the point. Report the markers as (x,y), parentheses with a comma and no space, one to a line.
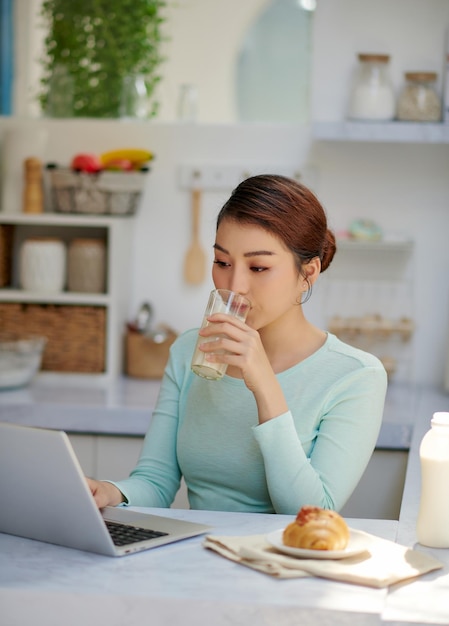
(134,98)
(433,517)
(372,95)
(60,93)
(419,100)
(188,103)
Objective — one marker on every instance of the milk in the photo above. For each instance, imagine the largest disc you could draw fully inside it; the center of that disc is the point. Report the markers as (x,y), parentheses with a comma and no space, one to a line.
(433,516)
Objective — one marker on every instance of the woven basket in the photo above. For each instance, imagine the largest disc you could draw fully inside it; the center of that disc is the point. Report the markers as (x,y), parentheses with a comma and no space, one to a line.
(144,357)
(76,335)
(6,242)
(104,193)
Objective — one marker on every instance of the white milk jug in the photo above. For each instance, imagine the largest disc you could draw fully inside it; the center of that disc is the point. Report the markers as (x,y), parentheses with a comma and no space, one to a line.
(433,516)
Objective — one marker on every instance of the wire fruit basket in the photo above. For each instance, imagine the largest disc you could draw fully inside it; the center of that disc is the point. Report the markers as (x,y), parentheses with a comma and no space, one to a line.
(102,193)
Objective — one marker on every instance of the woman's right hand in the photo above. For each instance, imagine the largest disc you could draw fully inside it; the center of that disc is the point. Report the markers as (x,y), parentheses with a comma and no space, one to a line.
(240,346)
(104,493)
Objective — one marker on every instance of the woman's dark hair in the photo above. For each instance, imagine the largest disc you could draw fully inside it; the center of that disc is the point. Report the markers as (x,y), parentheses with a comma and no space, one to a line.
(286,209)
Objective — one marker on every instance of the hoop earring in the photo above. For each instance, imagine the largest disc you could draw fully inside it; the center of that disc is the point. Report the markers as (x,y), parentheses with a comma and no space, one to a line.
(308,292)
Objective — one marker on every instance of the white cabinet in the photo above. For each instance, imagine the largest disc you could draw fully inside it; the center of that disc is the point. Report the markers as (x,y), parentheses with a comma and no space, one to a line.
(106,457)
(117,234)
(113,458)
(84,447)
(379,492)
(116,456)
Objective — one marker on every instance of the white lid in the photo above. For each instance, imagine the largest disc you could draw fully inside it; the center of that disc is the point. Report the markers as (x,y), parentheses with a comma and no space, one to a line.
(440,418)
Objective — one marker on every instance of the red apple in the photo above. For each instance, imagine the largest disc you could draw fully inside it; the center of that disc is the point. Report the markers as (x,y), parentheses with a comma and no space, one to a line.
(86,163)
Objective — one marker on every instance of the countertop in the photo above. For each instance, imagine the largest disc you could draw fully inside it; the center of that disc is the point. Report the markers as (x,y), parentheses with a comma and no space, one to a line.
(120,407)
(125,405)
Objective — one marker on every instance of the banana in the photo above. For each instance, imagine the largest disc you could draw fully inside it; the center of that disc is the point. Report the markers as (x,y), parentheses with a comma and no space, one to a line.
(137,156)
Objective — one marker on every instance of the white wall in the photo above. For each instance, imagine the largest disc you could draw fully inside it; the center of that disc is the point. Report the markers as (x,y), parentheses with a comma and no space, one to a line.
(404,187)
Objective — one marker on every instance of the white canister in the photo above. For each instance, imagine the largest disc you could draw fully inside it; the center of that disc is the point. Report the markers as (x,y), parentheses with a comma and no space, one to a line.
(372,95)
(42,264)
(87,266)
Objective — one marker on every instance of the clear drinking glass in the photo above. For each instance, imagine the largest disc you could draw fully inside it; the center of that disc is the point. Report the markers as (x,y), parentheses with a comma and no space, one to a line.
(220,301)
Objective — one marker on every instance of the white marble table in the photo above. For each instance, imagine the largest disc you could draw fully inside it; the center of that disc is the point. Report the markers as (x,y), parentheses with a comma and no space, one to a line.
(186,584)
(178,584)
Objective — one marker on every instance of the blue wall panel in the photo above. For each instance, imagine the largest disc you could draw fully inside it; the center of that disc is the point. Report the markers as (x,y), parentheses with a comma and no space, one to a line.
(6,56)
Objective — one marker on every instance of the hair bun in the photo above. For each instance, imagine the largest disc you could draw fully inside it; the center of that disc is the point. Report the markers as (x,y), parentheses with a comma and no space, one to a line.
(329,249)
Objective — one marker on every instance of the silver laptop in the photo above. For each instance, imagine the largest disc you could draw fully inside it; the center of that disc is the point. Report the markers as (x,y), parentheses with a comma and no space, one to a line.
(44,496)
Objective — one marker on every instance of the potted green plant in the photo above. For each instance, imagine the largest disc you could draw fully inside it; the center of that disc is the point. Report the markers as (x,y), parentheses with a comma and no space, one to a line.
(92,47)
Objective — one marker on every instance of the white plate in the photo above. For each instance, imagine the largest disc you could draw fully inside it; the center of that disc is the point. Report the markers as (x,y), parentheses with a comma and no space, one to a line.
(357,543)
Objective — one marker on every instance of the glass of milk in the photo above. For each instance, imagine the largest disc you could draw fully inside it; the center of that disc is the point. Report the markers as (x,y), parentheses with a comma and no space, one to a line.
(220,301)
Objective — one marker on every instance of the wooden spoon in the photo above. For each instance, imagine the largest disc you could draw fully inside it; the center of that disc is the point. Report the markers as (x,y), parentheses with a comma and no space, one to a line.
(195,260)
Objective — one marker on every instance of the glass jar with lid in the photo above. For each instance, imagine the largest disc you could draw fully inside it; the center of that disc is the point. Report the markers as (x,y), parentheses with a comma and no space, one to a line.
(419,100)
(372,94)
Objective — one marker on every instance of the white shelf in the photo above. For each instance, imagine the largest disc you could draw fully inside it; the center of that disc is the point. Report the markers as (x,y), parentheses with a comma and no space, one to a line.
(8,294)
(387,132)
(383,245)
(58,219)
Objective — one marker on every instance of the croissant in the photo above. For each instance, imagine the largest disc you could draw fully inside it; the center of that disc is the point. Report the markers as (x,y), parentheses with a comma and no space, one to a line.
(317,529)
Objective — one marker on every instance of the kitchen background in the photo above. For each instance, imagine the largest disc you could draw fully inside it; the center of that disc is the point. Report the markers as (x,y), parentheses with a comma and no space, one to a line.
(401,184)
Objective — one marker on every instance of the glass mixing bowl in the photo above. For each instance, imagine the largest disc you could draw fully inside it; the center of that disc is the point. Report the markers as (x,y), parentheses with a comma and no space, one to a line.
(20,359)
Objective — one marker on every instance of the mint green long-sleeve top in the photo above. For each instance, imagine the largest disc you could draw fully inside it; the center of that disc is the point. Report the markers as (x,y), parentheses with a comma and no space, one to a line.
(208,432)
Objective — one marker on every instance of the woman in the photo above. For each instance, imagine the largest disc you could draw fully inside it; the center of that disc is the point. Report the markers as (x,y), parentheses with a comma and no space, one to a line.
(295,419)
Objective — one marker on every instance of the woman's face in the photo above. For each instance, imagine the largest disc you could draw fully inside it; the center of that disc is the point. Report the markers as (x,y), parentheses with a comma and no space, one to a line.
(251,261)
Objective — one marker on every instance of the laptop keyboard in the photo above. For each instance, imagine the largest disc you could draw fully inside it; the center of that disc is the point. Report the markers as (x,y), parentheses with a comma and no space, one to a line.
(124,534)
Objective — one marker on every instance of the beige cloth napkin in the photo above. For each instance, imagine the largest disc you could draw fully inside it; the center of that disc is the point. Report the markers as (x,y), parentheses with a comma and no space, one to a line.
(382,564)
